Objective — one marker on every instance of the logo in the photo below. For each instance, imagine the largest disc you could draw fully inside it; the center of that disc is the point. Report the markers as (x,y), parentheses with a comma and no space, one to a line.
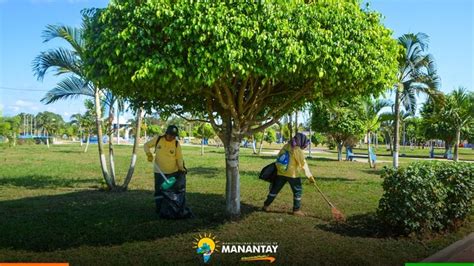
(205,246)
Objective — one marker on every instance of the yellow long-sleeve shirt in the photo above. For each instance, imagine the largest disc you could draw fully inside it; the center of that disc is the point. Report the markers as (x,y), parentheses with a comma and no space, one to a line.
(168,155)
(296,162)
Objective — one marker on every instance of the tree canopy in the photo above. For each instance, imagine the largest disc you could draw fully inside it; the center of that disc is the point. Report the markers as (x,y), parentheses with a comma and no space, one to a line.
(244,59)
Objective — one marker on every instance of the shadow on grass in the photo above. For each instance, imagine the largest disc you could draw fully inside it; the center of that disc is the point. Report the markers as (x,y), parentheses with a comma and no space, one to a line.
(363,225)
(95,218)
(207,172)
(376,172)
(42,181)
(322,159)
(69,151)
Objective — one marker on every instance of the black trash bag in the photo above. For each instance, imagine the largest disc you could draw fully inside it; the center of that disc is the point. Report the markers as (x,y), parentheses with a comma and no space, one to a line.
(173,205)
(268,173)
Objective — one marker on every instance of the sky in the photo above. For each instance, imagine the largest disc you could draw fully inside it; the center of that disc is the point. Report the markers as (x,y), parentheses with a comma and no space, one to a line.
(449,23)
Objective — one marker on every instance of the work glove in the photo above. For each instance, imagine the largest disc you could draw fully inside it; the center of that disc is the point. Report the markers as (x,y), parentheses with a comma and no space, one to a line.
(311,179)
(149,157)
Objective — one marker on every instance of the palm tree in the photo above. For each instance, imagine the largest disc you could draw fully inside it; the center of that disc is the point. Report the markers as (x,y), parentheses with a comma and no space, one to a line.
(85,123)
(76,84)
(417,74)
(371,119)
(459,109)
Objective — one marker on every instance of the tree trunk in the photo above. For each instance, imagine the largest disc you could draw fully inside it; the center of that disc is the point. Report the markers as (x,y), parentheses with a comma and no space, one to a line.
(447,147)
(131,168)
(261,143)
(254,148)
(290,126)
(87,143)
(296,122)
(339,151)
(376,140)
(231,142)
(310,142)
(47,139)
(368,150)
(118,124)
(98,122)
(396,132)
(81,135)
(456,145)
(111,144)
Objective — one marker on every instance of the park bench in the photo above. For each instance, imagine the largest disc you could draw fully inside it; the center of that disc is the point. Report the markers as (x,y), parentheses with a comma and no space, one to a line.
(350,155)
(449,154)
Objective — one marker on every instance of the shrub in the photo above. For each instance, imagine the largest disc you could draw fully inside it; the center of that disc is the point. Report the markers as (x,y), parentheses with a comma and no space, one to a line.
(426,197)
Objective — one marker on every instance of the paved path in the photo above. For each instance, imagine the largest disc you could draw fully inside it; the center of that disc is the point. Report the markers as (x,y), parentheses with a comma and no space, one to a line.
(460,251)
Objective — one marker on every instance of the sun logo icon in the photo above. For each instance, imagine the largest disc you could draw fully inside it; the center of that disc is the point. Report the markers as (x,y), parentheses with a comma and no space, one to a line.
(205,246)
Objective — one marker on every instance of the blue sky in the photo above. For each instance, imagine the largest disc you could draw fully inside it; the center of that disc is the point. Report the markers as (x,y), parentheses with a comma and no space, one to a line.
(449,23)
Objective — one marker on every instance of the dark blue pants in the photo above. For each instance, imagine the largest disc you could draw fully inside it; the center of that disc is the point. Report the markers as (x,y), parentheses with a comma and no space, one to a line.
(277,185)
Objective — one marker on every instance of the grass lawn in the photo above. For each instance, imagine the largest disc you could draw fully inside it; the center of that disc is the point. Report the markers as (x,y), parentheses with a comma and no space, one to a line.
(52,210)
(408,154)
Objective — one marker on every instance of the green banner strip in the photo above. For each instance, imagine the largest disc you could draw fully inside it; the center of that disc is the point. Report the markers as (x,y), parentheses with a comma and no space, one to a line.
(440,264)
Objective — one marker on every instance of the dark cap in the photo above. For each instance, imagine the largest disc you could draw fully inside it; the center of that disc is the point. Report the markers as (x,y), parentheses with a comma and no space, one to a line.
(172,130)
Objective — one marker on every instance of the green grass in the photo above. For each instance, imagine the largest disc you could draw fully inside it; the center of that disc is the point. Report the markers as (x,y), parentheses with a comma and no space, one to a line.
(408,154)
(52,209)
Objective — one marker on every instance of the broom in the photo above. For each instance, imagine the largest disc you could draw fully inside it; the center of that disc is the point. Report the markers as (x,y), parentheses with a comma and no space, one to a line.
(336,214)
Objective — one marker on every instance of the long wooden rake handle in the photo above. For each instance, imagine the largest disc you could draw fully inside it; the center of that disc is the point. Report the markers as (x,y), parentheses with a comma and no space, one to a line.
(324,196)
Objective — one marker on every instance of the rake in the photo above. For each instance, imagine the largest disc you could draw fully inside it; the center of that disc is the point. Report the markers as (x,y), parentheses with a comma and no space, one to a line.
(336,214)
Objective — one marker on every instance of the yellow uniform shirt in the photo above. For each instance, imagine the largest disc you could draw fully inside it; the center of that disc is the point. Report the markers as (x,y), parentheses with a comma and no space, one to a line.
(296,162)
(168,155)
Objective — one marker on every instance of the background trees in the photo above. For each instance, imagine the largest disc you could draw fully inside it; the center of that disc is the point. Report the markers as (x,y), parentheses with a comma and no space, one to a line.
(340,122)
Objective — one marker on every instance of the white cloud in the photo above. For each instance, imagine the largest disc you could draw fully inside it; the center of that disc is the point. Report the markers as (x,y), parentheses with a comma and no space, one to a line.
(23,106)
(15,109)
(66,114)
(51,109)
(21,103)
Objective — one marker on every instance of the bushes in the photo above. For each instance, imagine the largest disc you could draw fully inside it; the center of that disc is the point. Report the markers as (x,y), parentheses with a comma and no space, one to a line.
(426,197)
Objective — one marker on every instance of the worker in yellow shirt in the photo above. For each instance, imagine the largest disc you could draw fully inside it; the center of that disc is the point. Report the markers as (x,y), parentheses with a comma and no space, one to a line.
(169,161)
(289,161)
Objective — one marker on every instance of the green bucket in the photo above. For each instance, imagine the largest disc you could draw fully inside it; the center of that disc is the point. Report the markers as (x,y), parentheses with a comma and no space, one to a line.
(168,183)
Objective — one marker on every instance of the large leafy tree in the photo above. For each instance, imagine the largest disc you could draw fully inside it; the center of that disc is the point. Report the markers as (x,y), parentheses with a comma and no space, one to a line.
(435,124)
(241,64)
(340,122)
(10,128)
(203,131)
(416,74)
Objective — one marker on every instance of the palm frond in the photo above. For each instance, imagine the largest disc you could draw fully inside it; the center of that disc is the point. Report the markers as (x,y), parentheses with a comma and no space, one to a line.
(63,60)
(70,87)
(70,34)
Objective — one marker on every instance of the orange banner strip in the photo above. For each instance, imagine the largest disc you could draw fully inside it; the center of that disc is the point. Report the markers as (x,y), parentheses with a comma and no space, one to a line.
(32,264)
